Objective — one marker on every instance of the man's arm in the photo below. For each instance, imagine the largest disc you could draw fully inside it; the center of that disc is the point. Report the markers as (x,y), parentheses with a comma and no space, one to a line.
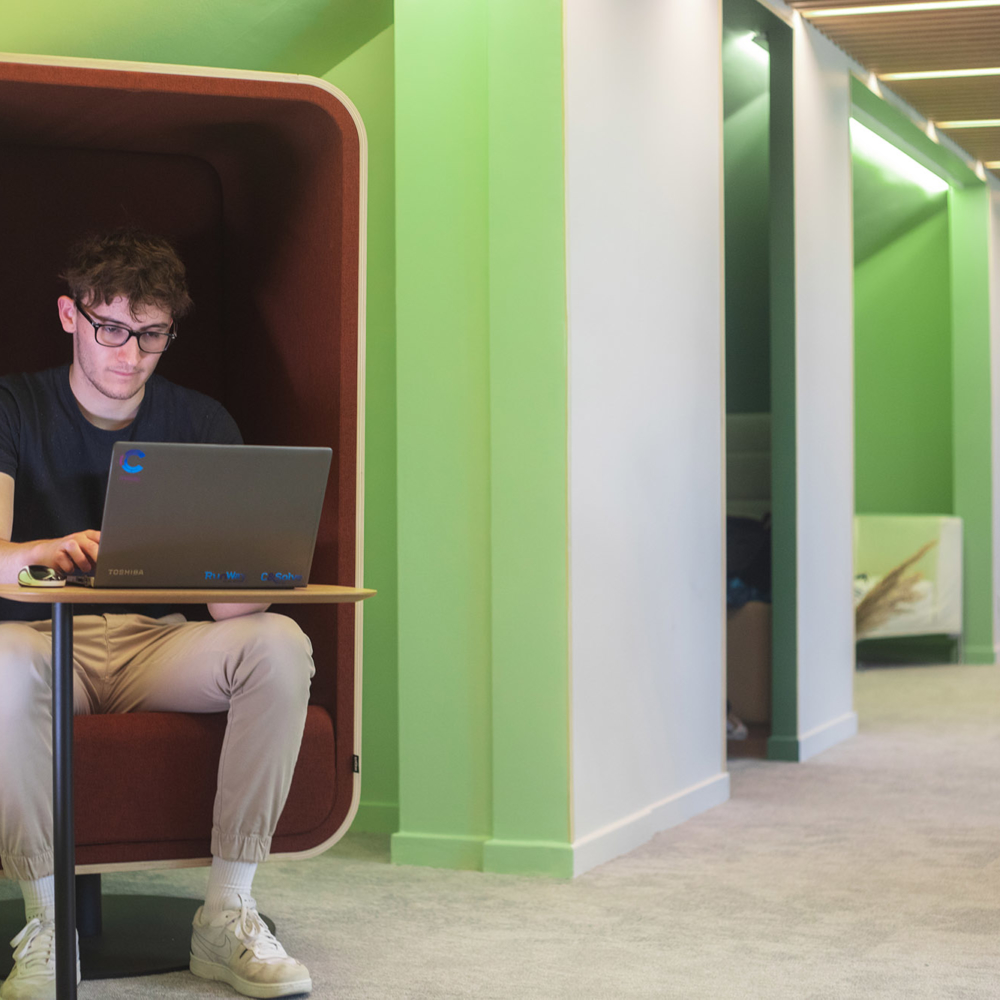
(70,553)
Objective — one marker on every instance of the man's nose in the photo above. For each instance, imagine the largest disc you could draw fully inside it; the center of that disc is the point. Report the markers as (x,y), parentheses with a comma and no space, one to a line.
(129,352)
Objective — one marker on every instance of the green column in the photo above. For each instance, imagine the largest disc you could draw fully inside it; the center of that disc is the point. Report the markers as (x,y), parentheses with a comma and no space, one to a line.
(482,437)
(528,423)
(973,453)
(443,402)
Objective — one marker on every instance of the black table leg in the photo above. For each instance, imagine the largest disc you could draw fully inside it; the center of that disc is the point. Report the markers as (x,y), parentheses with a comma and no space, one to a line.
(62,799)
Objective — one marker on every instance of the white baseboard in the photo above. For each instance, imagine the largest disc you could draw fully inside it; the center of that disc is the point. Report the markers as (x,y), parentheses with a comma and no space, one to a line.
(829,734)
(633,831)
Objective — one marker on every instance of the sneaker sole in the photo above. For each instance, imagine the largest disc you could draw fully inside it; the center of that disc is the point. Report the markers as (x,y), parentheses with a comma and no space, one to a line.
(217,972)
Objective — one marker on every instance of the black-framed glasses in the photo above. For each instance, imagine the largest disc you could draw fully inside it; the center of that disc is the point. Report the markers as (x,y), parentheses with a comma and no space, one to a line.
(116,335)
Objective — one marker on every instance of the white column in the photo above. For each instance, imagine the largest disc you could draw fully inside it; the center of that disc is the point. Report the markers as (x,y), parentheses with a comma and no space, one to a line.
(644,255)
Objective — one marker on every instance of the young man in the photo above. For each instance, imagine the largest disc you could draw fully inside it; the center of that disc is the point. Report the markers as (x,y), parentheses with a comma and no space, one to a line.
(57,430)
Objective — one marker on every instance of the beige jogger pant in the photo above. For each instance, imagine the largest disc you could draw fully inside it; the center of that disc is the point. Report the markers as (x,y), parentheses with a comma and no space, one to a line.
(257,667)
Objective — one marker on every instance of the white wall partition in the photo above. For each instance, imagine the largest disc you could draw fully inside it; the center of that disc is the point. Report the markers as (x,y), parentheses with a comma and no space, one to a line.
(644,254)
(824,270)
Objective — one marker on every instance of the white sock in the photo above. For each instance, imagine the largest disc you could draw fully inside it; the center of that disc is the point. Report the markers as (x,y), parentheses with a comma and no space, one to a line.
(40,898)
(227,881)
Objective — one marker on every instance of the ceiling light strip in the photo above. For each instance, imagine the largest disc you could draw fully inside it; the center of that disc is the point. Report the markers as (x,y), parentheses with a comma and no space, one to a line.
(941,74)
(879,151)
(896,8)
(974,123)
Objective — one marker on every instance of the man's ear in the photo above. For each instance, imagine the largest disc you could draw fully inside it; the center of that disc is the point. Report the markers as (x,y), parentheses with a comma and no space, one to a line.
(67,313)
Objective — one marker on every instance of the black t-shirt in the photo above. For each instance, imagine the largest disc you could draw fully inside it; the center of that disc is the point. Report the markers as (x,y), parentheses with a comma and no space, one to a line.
(60,462)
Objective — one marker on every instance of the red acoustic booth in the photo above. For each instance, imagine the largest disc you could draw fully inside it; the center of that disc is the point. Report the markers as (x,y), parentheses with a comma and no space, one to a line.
(259,180)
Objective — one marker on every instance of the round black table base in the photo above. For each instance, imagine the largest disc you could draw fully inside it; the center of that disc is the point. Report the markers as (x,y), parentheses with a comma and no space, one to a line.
(141,936)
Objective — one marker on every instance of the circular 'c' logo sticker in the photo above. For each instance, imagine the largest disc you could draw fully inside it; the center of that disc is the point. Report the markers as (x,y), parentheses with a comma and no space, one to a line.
(129,463)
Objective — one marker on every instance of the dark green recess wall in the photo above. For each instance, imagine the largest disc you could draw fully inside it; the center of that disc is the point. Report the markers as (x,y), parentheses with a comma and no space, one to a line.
(746,106)
(766,193)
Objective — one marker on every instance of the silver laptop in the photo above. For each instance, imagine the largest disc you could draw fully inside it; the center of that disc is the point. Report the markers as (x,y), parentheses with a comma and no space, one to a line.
(210,515)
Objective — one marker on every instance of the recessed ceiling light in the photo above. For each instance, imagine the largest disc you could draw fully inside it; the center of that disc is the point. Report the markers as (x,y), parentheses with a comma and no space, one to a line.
(897,8)
(755,45)
(875,149)
(973,123)
(941,74)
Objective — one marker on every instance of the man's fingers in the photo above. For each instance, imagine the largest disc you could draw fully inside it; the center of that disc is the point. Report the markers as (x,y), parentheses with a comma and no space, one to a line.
(77,555)
(64,563)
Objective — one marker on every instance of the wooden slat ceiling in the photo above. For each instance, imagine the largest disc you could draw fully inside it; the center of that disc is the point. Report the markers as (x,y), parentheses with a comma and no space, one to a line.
(922,41)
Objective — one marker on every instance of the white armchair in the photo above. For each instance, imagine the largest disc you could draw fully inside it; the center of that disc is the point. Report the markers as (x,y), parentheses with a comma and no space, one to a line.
(884,541)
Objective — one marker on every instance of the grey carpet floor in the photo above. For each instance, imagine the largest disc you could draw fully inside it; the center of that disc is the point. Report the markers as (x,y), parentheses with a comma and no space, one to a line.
(871,871)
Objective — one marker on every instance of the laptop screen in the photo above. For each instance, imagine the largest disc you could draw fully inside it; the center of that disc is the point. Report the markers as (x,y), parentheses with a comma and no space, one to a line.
(211,515)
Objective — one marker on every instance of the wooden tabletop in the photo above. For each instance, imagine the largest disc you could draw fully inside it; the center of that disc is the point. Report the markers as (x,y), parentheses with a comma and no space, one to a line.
(315,593)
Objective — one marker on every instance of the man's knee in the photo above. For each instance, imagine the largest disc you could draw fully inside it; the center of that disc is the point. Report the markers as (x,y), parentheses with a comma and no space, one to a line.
(281,637)
(279,649)
(25,656)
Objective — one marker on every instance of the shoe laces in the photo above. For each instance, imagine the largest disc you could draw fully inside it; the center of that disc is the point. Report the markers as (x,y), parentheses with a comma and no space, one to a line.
(34,947)
(255,934)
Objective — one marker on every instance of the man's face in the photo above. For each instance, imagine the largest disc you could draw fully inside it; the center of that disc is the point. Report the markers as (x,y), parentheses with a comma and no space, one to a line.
(115,372)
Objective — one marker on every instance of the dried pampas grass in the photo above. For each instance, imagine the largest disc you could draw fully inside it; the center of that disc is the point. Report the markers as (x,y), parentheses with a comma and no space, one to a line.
(886,597)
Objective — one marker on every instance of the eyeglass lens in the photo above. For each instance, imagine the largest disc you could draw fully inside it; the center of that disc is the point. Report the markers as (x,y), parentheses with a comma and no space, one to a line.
(116,336)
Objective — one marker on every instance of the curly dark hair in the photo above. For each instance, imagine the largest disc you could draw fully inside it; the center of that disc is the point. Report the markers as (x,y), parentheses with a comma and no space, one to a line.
(144,269)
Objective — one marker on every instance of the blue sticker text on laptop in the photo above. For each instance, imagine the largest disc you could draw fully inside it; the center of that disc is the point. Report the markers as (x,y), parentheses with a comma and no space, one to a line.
(233,576)
(281,578)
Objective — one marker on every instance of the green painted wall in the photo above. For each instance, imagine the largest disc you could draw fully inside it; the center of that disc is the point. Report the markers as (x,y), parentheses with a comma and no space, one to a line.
(367,78)
(483,668)
(972,419)
(294,36)
(968,361)
(297,36)
(903,374)
(746,134)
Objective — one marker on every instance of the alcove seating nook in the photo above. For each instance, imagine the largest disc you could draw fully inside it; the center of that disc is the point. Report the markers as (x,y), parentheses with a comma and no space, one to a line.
(259,180)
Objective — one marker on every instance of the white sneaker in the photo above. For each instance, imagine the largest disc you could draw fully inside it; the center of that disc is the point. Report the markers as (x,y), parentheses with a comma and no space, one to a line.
(236,947)
(736,728)
(34,974)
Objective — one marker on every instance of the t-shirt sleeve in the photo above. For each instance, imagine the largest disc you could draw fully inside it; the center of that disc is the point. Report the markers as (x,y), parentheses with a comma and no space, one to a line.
(220,428)
(10,433)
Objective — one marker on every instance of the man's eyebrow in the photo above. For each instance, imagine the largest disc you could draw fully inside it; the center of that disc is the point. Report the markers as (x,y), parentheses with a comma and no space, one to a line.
(105,321)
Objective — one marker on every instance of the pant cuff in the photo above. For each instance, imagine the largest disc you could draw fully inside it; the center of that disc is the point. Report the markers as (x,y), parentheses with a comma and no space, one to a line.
(239,847)
(27,868)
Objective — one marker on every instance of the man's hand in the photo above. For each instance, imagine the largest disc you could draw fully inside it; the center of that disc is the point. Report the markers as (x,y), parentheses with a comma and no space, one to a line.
(76,552)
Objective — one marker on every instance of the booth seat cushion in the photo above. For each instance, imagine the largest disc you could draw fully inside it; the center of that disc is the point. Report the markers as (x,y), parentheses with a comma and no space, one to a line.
(164,766)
